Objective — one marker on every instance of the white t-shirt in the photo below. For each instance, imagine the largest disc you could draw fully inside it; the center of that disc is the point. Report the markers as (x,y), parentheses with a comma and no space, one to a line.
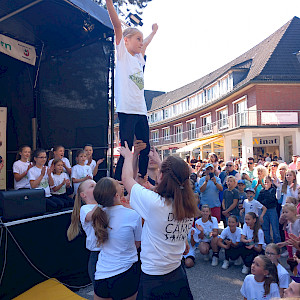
(163,237)
(91,240)
(58,179)
(129,82)
(233,236)
(284,277)
(79,172)
(290,192)
(34,173)
(192,248)
(207,228)
(65,160)
(119,252)
(252,206)
(251,289)
(20,167)
(92,164)
(248,233)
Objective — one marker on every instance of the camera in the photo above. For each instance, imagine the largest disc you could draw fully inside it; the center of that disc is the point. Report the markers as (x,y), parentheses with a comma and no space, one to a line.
(211,175)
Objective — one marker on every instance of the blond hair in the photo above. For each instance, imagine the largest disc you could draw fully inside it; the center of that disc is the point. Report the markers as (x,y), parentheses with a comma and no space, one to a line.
(232,177)
(130,31)
(75,226)
(290,207)
(285,182)
(262,169)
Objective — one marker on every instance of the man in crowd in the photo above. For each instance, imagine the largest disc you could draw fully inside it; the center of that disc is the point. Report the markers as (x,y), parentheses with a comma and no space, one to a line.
(247,174)
(210,186)
(292,165)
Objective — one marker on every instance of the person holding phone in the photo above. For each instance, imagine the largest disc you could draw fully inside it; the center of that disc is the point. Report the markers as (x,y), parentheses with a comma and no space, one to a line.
(210,186)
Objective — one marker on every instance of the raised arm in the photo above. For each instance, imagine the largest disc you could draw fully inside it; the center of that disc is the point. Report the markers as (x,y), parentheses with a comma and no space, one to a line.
(127,171)
(114,20)
(149,38)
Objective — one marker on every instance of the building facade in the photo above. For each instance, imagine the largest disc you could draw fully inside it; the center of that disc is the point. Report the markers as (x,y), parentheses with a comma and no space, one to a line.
(248,107)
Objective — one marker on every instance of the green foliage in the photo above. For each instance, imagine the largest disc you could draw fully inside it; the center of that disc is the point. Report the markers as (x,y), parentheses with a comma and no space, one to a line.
(140,4)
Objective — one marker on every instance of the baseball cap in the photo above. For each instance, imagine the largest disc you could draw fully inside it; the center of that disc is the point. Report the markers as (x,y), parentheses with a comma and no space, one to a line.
(250,190)
(241,181)
(209,165)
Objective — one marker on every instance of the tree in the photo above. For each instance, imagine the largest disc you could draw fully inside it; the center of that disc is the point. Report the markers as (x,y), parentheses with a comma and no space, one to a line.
(140,4)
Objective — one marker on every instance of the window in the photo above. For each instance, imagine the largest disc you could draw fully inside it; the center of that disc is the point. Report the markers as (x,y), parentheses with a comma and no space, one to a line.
(241,113)
(166,133)
(222,118)
(206,124)
(178,133)
(191,129)
(212,92)
(155,136)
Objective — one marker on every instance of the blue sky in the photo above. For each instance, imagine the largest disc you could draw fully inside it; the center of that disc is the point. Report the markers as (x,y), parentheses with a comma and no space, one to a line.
(196,37)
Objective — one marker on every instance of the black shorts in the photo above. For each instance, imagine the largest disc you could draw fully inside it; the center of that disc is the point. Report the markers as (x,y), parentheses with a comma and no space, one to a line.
(119,286)
(172,286)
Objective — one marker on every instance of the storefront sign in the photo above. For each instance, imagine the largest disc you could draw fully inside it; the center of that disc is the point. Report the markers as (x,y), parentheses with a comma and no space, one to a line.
(18,50)
(278,118)
(266,141)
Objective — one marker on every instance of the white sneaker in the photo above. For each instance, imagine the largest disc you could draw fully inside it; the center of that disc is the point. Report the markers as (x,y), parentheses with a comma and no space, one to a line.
(245,270)
(238,261)
(225,265)
(215,261)
(206,257)
(285,254)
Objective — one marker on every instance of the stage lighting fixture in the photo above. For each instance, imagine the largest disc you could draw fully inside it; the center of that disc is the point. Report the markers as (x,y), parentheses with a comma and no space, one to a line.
(135,19)
(88,26)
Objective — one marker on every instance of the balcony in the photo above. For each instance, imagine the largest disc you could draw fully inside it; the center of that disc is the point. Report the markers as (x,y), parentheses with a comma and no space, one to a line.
(242,119)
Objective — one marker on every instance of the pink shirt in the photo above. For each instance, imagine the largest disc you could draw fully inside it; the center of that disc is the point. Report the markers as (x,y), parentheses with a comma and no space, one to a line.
(292,166)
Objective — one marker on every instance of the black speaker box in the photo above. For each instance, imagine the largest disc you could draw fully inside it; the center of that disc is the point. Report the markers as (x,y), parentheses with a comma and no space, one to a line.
(20,204)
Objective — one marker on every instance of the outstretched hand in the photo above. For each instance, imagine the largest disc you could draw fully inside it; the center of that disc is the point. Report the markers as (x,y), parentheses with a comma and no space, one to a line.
(125,151)
(139,145)
(154,27)
(154,156)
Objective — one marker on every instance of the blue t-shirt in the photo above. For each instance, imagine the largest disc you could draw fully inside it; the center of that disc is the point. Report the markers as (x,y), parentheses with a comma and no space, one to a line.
(211,194)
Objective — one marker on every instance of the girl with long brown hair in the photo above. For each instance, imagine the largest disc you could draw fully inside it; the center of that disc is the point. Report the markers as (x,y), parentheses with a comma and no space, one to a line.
(169,214)
(118,231)
(253,239)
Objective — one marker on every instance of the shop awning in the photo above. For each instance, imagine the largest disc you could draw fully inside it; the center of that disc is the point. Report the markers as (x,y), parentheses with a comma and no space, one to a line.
(198,143)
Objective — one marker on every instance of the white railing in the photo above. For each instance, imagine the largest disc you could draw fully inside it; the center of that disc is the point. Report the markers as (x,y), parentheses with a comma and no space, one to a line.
(247,118)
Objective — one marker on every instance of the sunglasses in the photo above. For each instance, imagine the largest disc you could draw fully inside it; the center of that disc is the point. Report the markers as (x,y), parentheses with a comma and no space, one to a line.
(250,163)
(229,165)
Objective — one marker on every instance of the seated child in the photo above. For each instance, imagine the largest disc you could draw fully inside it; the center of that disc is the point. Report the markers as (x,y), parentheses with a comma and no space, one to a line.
(21,168)
(253,239)
(207,235)
(81,171)
(230,239)
(262,284)
(59,152)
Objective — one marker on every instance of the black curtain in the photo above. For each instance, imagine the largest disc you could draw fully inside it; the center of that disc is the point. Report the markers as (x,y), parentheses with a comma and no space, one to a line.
(45,243)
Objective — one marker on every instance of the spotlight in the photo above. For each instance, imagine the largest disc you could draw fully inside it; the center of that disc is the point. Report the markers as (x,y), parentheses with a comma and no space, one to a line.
(88,26)
(135,19)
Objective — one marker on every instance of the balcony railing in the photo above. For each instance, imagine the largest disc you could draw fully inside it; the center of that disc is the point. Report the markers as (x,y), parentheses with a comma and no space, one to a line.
(246,118)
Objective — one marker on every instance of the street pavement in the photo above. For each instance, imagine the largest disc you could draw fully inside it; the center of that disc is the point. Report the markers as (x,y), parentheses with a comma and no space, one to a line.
(206,282)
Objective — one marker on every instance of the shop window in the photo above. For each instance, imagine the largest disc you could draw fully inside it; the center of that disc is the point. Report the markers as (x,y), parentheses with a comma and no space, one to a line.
(236,148)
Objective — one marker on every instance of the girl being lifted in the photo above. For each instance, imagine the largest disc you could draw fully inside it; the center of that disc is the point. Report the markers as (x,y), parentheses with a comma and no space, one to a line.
(129,87)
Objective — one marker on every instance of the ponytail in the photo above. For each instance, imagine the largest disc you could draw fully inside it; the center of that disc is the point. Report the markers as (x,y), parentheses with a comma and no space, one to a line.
(75,226)
(176,189)
(18,156)
(104,193)
(272,277)
(100,223)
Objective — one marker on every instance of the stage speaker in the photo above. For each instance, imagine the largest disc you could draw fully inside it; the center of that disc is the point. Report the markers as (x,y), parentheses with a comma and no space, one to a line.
(20,204)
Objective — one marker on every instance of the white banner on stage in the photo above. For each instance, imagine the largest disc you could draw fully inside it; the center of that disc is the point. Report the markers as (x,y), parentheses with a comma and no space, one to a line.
(3,124)
(17,49)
